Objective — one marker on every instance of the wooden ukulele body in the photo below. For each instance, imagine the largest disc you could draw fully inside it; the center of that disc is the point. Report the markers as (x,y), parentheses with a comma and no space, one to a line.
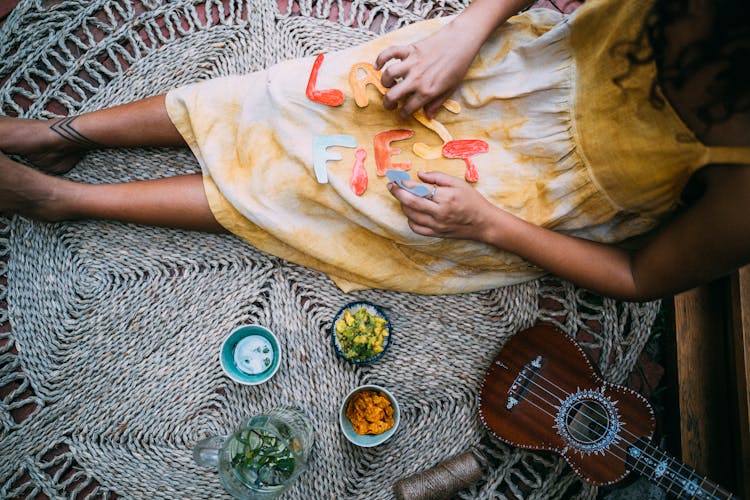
(541,392)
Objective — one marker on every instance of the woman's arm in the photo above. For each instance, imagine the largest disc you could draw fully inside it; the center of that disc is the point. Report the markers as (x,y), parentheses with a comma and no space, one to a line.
(425,74)
(708,240)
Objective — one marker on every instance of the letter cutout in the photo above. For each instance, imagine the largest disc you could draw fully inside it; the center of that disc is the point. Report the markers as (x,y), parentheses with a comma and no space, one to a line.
(329,97)
(321,155)
(358,180)
(384,151)
(452,106)
(359,85)
(465,149)
(430,152)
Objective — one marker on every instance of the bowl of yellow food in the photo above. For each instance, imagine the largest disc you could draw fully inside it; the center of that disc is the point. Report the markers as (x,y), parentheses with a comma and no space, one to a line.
(369,415)
(360,332)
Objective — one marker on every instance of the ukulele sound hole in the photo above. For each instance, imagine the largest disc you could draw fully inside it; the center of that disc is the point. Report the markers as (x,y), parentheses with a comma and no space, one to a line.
(587,422)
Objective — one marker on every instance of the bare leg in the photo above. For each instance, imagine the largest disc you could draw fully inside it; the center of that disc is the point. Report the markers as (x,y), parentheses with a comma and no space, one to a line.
(56,145)
(177,202)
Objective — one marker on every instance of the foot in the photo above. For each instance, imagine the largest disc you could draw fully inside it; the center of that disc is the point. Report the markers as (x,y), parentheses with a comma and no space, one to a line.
(34,140)
(28,192)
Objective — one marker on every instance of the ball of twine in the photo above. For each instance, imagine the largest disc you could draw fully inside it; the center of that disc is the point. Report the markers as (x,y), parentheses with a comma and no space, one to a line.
(442,480)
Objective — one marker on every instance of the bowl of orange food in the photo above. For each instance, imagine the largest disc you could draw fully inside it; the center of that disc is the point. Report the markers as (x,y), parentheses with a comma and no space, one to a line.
(369,415)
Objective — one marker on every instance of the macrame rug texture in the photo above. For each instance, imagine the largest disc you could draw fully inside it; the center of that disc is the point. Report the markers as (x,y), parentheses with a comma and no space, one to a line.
(109,370)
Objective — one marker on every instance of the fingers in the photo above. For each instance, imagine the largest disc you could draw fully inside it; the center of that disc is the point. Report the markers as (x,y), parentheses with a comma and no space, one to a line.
(423,211)
(393,52)
(406,198)
(394,95)
(424,216)
(410,80)
(441,179)
(402,88)
(420,217)
(393,73)
(409,90)
(413,103)
(422,230)
(431,108)
(404,79)
(394,79)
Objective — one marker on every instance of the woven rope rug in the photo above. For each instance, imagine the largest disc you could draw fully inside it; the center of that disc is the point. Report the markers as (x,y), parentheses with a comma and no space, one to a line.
(109,371)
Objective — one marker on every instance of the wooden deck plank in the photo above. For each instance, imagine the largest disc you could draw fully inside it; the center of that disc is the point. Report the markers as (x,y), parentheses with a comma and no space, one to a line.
(711,330)
(699,325)
(740,345)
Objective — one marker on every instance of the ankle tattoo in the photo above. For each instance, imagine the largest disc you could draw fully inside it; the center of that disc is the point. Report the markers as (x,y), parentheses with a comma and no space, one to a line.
(64,128)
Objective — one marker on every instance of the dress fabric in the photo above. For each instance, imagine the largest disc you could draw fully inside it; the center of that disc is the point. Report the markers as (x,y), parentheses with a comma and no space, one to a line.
(560,136)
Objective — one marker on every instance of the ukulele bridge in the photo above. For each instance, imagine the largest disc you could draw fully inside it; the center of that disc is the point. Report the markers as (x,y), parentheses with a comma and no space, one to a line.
(521,383)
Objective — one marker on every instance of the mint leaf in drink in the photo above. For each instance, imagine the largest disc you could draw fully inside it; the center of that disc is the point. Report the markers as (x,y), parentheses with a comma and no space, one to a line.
(265,457)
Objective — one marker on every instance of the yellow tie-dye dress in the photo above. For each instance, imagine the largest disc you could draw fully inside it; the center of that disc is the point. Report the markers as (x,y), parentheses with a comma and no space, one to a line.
(568,150)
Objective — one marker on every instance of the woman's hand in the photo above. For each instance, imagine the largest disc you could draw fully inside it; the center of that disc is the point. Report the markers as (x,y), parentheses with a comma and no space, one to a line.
(426,73)
(453,210)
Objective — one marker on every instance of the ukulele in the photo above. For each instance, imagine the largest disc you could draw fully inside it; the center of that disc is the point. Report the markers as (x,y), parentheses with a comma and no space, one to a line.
(541,392)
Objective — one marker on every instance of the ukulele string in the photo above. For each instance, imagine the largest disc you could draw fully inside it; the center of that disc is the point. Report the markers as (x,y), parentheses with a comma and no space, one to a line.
(622,459)
(614,444)
(591,419)
(647,449)
(544,400)
(593,409)
(565,393)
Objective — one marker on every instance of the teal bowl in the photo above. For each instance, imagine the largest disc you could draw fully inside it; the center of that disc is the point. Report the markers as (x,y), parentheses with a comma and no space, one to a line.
(229,361)
(368,440)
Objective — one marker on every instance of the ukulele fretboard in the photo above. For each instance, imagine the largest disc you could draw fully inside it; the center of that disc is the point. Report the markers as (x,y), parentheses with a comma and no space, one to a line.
(672,475)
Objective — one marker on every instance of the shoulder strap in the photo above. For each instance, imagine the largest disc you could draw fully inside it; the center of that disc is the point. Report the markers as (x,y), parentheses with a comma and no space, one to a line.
(727,155)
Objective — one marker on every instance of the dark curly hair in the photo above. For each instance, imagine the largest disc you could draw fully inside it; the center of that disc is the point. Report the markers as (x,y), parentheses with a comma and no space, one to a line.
(727,43)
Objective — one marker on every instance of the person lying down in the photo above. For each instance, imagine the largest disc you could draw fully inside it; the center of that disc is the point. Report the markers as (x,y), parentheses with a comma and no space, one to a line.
(453,155)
